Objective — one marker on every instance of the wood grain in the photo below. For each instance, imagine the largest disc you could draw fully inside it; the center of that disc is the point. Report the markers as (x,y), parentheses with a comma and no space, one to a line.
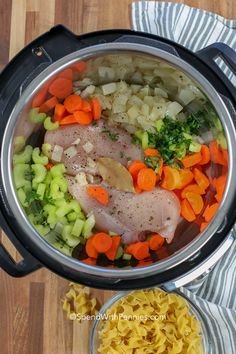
(31,319)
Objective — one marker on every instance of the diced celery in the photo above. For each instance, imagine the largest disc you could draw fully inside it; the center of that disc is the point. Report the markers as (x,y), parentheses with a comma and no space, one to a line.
(119,252)
(63,248)
(22,197)
(159,124)
(217,123)
(78,227)
(39,159)
(39,174)
(187,136)
(48,178)
(72,216)
(82,240)
(88,226)
(66,231)
(58,170)
(126,256)
(72,241)
(24,156)
(42,230)
(41,190)
(49,125)
(139,134)
(47,150)
(61,182)
(20,172)
(50,211)
(63,210)
(19,143)
(75,206)
(145,140)
(35,116)
(55,192)
(222,141)
(111,233)
(195,147)
(181,151)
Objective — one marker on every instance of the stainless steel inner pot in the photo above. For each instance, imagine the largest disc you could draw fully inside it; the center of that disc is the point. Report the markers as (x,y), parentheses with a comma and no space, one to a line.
(180,253)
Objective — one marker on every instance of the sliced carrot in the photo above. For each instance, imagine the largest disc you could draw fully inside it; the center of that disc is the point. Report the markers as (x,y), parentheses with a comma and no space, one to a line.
(90,261)
(73,103)
(160,170)
(136,188)
(111,253)
(171,179)
(187,211)
(210,211)
(90,249)
(40,97)
(144,263)
(156,241)
(135,167)
(140,250)
(151,152)
(226,156)
(83,118)
(96,108)
(219,184)
(98,193)
(60,87)
(194,188)
(102,242)
(66,74)
(49,166)
(196,202)
(201,179)
(59,112)
(70,119)
(191,160)
(216,153)
(81,66)
(48,105)
(206,156)
(203,226)
(186,177)
(146,179)
(129,248)
(86,106)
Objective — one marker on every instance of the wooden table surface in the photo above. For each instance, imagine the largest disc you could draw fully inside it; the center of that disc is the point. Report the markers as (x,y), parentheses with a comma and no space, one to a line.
(31,318)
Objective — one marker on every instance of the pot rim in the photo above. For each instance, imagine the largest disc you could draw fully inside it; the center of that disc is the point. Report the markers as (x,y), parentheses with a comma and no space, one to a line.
(217,224)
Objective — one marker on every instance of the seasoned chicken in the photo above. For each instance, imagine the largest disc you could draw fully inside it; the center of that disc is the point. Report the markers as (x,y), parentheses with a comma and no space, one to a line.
(132,215)
(96,141)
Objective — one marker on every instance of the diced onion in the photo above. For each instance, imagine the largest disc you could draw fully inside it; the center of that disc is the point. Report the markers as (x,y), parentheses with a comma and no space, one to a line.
(109,88)
(186,96)
(81,179)
(173,109)
(88,147)
(76,142)
(57,153)
(70,152)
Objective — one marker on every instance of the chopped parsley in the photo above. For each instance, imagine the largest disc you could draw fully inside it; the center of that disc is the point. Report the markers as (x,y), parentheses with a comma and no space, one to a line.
(31,196)
(110,135)
(153,162)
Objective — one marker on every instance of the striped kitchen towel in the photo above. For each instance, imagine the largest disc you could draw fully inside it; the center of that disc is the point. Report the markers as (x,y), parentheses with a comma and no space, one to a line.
(195,29)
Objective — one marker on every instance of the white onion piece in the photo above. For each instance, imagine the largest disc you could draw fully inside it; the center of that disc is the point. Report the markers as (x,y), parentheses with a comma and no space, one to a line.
(70,152)
(186,96)
(88,147)
(173,109)
(109,88)
(107,73)
(76,142)
(81,179)
(207,136)
(57,153)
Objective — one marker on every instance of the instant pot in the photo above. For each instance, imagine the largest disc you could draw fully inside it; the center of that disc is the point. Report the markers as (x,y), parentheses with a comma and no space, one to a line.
(188,257)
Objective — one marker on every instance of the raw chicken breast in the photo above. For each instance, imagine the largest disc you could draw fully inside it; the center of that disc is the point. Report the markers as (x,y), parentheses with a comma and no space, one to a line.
(132,215)
(100,143)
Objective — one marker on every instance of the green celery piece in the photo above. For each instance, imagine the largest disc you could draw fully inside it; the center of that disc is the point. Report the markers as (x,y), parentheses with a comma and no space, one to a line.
(181,151)
(194,146)
(20,172)
(139,134)
(126,256)
(41,190)
(73,241)
(111,233)
(66,231)
(42,230)
(49,125)
(222,141)
(55,192)
(72,216)
(19,143)
(75,206)
(88,226)
(119,252)
(145,140)
(22,197)
(39,174)
(63,210)
(48,178)
(58,170)
(159,124)
(61,182)
(24,156)
(62,248)
(35,116)
(47,149)
(39,159)
(77,228)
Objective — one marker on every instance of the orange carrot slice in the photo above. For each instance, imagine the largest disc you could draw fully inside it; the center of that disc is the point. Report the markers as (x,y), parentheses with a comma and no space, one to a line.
(210,211)
(216,153)
(98,193)
(86,106)
(192,188)
(156,241)
(186,177)
(40,97)
(206,156)
(196,202)
(73,103)
(191,160)
(146,179)
(60,87)
(111,253)
(59,112)
(135,167)
(66,74)
(48,105)
(102,242)
(90,249)
(83,118)
(201,179)
(96,108)
(151,152)
(171,179)
(80,67)
(140,250)
(187,211)
(203,226)
(70,119)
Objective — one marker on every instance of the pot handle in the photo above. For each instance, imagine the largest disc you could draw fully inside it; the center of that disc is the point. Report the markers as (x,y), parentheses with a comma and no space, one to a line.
(228,55)
(26,266)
